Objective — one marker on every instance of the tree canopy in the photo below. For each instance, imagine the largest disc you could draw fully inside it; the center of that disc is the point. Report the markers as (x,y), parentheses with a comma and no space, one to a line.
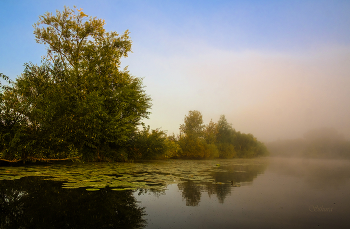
(78,102)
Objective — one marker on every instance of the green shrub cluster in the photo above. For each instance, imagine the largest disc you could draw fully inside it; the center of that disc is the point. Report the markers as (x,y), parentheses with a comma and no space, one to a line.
(215,140)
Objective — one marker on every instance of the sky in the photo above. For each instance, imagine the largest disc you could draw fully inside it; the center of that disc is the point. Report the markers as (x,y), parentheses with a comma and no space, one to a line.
(275,69)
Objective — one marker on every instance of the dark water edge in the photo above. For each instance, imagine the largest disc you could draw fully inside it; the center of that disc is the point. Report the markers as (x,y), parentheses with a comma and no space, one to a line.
(32,202)
(282,193)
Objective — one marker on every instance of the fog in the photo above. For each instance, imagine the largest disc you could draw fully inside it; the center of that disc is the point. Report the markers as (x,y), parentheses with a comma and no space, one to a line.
(321,174)
(325,143)
(272,95)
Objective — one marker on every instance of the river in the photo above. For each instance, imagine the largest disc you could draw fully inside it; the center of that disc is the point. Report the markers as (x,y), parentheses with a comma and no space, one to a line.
(237,193)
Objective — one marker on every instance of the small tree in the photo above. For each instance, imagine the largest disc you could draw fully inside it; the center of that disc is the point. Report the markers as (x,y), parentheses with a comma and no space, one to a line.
(225,137)
(193,125)
(210,132)
(192,137)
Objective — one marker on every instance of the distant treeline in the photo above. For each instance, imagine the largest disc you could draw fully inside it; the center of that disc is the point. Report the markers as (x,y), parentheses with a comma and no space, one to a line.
(196,141)
(214,140)
(317,143)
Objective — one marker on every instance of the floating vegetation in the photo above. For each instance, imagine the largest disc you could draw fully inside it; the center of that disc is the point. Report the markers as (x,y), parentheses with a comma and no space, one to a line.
(131,176)
(118,189)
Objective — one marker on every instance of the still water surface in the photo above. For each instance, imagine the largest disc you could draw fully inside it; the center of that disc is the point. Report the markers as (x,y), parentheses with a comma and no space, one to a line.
(240,193)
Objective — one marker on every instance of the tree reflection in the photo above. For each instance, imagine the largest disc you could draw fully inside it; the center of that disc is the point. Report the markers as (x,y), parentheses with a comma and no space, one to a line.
(35,203)
(191,192)
(224,181)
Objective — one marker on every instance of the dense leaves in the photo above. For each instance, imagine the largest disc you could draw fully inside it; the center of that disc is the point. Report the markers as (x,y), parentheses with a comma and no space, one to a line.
(78,103)
(192,140)
(216,139)
(148,144)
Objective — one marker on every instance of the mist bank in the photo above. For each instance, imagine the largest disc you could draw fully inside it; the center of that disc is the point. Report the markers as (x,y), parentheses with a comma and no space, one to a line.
(316,143)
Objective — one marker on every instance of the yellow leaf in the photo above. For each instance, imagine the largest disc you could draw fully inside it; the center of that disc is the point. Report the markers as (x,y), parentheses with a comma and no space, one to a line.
(82,14)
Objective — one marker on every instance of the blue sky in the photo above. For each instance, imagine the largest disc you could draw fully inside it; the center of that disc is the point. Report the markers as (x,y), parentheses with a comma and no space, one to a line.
(274,68)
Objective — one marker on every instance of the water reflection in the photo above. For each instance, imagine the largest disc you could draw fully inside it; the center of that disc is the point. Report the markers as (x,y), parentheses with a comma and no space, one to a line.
(32,202)
(288,193)
(231,176)
(191,192)
(274,193)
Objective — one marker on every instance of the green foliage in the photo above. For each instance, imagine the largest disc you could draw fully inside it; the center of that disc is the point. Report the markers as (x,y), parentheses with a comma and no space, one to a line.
(216,140)
(3,87)
(225,138)
(197,148)
(226,150)
(78,102)
(225,131)
(173,148)
(248,146)
(15,135)
(193,125)
(148,144)
(211,132)
(196,140)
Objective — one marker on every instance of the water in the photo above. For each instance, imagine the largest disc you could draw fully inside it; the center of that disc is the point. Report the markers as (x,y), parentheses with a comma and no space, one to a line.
(258,193)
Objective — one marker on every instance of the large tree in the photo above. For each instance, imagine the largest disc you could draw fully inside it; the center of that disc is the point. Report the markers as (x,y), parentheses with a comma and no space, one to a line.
(79,102)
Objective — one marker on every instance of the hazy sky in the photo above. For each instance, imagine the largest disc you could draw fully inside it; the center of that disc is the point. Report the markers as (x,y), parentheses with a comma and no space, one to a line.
(275,68)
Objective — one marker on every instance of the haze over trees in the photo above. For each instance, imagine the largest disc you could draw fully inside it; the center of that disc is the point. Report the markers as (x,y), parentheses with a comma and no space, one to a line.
(80,104)
(316,143)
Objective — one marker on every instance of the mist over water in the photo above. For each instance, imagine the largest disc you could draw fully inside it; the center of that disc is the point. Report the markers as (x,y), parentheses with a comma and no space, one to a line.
(316,143)
(271,94)
(284,193)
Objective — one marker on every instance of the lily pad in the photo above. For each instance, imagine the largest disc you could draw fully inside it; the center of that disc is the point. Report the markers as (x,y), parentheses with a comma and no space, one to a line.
(119,176)
(92,189)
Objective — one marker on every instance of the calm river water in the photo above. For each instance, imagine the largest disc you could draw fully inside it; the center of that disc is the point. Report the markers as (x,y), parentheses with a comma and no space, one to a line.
(240,193)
